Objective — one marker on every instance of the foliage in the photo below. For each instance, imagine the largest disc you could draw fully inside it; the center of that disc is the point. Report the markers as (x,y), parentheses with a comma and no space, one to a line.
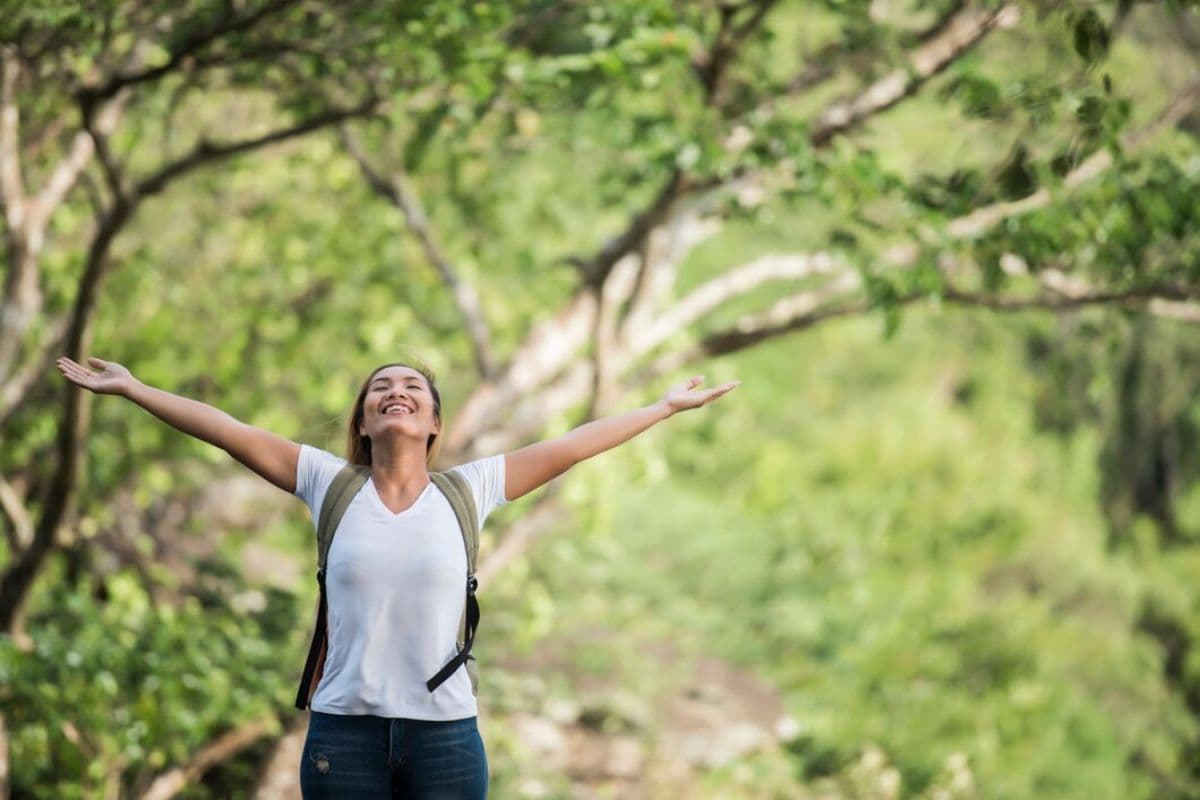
(921,570)
(118,688)
(960,547)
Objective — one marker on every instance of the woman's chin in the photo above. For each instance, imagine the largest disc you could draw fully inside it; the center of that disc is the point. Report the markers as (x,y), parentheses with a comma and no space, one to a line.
(405,428)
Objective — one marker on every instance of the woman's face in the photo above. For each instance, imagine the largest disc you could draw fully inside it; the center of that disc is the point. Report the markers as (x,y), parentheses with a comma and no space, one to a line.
(398,403)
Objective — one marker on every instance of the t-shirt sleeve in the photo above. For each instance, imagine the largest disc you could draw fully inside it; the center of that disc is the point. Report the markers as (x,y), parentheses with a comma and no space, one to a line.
(314,472)
(485,476)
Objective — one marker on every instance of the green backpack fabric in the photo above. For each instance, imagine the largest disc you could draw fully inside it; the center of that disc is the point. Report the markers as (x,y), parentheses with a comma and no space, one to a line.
(341,491)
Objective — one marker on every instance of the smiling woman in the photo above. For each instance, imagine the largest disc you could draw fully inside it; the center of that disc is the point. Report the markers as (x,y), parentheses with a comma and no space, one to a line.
(393,608)
(378,386)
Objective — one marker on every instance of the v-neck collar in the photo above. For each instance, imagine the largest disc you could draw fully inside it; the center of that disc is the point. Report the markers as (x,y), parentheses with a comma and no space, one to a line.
(396,514)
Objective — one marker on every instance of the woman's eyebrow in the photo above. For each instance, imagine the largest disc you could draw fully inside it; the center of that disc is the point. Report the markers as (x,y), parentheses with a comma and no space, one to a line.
(385,379)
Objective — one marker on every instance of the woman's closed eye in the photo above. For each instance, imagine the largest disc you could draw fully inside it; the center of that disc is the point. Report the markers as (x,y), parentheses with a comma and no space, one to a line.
(383,387)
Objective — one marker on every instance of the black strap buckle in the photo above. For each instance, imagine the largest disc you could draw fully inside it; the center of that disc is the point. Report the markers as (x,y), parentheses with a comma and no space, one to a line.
(472,584)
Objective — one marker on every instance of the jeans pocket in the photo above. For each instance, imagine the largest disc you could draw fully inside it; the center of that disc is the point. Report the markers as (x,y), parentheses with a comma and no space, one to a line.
(344,758)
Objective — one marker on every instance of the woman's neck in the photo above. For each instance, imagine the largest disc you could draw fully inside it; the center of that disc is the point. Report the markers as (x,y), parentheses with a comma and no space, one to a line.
(398,469)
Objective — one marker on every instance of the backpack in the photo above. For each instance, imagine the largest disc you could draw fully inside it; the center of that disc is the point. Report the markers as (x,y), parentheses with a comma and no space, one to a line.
(341,491)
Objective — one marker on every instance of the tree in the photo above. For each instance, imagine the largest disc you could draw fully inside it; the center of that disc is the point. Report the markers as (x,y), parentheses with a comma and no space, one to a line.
(996,155)
(1083,209)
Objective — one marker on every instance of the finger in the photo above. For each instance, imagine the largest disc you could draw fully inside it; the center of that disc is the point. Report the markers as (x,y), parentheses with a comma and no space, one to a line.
(722,389)
(66,365)
(98,363)
(82,372)
(72,373)
(77,375)
(695,381)
(72,364)
(69,367)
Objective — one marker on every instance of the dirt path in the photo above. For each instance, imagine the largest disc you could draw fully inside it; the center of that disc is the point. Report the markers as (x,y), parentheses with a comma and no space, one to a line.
(608,735)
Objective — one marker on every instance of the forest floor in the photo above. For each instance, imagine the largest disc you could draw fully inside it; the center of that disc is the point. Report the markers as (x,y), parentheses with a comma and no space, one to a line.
(593,738)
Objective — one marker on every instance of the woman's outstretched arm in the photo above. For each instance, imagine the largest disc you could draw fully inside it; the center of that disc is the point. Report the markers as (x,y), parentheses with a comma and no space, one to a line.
(530,467)
(271,456)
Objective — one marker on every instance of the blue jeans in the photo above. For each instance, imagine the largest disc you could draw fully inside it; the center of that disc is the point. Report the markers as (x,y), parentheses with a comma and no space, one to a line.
(375,757)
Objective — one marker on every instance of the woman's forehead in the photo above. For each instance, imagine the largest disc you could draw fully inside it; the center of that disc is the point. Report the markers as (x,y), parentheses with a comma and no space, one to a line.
(397,373)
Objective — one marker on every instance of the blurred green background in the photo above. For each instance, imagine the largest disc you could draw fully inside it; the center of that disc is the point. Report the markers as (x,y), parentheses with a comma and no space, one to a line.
(942,542)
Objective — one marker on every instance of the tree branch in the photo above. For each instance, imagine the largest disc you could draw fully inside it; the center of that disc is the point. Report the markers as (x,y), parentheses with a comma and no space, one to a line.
(823,66)
(20,530)
(977,222)
(113,173)
(572,386)
(205,151)
(277,777)
(187,47)
(174,781)
(12,185)
(18,386)
(103,119)
(835,56)
(615,291)
(751,331)
(526,418)
(963,31)
(1144,299)
(983,219)
(91,191)
(946,40)
(808,308)
(73,422)
(713,65)
(266,49)
(59,500)
(4,759)
(21,302)
(23,298)
(396,191)
(712,69)
(664,250)
(548,349)
(64,176)
(545,351)
(595,270)
(1171,309)
(718,291)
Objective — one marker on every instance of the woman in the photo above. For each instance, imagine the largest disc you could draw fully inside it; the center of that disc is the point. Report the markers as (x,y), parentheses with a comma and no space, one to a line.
(394,572)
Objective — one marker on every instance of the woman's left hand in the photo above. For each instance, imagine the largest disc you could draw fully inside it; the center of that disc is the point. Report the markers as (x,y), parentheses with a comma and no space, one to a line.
(683,396)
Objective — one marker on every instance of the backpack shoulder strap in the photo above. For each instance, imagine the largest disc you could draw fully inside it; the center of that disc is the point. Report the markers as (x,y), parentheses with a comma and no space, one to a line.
(456,490)
(341,491)
(455,487)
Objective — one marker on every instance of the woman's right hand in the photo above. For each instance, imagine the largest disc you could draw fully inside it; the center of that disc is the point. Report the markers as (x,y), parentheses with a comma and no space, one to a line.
(271,456)
(112,378)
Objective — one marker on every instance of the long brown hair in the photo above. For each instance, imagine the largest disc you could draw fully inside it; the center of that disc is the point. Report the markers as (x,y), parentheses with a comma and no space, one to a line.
(358,448)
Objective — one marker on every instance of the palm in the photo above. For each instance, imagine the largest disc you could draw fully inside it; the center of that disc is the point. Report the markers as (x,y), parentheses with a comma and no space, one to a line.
(685,395)
(107,377)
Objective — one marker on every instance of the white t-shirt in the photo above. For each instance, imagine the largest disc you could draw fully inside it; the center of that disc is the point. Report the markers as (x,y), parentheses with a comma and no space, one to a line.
(395,586)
